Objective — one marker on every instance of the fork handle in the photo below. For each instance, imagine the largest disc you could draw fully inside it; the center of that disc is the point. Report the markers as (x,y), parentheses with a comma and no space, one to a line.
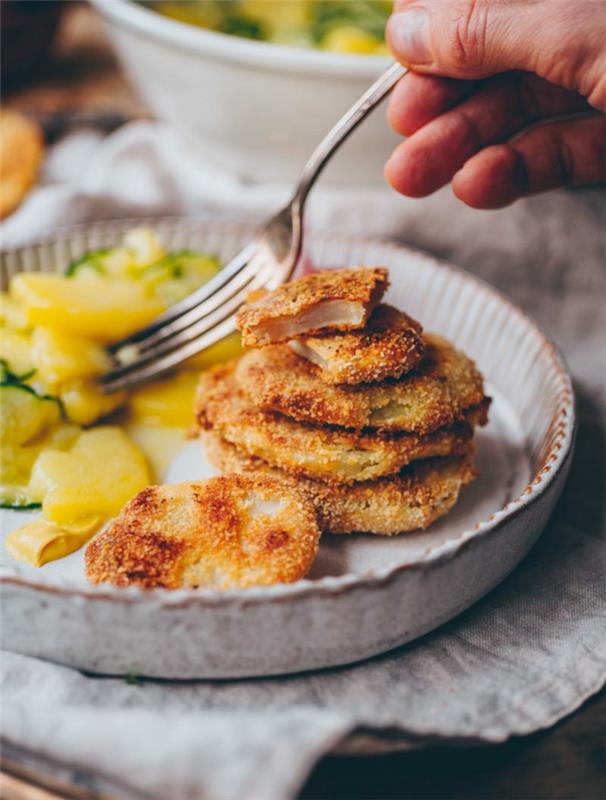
(348,122)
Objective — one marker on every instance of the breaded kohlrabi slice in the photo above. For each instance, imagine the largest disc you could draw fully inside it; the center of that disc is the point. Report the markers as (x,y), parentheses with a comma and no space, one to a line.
(323,302)
(411,500)
(330,454)
(389,346)
(237,530)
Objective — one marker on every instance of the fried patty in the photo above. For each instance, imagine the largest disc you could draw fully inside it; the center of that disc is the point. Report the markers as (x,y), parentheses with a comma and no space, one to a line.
(411,500)
(387,347)
(437,394)
(238,530)
(21,154)
(322,302)
(332,454)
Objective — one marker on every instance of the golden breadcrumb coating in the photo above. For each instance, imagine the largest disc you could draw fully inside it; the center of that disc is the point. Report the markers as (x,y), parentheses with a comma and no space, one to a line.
(238,530)
(322,302)
(412,500)
(21,153)
(435,395)
(387,347)
(332,454)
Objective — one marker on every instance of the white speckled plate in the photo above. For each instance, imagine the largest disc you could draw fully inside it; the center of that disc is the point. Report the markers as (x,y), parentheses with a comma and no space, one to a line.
(365,594)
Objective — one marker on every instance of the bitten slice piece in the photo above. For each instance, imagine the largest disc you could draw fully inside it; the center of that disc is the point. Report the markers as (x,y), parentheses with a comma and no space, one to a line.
(388,347)
(238,530)
(329,454)
(434,395)
(323,302)
(411,500)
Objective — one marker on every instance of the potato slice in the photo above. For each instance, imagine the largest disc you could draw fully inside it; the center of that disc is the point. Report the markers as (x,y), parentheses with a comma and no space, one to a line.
(166,402)
(222,351)
(99,309)
(16,350)
(95,477)
(85,403)
(11,313)
(59,356)
(17,460)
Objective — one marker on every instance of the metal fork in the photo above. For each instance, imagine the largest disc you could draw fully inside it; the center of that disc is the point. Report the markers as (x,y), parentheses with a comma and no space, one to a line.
(208,315)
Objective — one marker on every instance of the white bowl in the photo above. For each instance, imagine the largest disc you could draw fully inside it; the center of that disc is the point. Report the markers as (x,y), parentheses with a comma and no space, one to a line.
(255,108)
(365,594)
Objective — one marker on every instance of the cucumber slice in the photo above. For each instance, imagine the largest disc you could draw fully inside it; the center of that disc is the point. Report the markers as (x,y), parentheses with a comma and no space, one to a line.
(183,264)
(16,462)
(180,273)
(8,376)
(87,263)
(18,503)
(24,414)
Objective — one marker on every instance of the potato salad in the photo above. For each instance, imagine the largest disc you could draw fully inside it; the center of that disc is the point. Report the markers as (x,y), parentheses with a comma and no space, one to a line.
(339,26)
(68,449)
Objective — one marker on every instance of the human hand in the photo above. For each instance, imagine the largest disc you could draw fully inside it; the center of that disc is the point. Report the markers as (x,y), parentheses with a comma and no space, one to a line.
(503,65)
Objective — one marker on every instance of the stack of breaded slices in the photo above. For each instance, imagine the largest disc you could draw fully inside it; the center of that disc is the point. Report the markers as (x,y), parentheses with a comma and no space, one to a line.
(347,397)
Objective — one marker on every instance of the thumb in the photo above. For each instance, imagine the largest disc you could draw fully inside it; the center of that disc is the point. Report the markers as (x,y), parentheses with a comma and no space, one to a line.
(561,41)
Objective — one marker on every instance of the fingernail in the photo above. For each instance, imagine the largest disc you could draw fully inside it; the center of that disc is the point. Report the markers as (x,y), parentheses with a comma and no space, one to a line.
(408,33)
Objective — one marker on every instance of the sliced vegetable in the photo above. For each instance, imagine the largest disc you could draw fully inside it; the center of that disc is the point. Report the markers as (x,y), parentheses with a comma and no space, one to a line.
(167,402)
(53,329)
(143,246)
(96,477)
(92,262)
(11,314)
(8,375)
(159,445)
(85,403)
(367,16)
(24,414)
(224,350)
(15,350)
(349,39)
(179,274)
(16,503)
(242,26)
(16,462)
(59,356)
(96,308)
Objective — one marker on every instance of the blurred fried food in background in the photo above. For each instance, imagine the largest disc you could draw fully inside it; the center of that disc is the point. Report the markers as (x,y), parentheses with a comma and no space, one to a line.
(21,153)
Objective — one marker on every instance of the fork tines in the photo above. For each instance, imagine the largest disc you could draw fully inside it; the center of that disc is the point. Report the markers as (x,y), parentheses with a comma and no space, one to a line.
(199,321)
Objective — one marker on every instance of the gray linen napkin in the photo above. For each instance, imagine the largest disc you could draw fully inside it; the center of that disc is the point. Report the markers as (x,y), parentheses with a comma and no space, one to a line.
(524,657)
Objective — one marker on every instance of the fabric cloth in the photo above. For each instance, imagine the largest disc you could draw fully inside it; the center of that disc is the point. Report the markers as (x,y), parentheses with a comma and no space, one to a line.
(521,659)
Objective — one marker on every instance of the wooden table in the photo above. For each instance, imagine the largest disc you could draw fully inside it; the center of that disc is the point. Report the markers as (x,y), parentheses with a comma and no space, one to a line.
(565,762)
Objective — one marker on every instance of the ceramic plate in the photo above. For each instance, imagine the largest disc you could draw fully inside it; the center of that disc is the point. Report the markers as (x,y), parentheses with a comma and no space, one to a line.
(365,594)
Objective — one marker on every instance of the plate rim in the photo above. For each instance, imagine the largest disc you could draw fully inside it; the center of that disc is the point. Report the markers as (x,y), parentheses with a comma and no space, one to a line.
(555,460)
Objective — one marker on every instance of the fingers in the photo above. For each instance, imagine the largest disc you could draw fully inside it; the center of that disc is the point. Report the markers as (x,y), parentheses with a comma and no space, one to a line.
(565,153)
(558,40)
(499,108)
(417,99)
